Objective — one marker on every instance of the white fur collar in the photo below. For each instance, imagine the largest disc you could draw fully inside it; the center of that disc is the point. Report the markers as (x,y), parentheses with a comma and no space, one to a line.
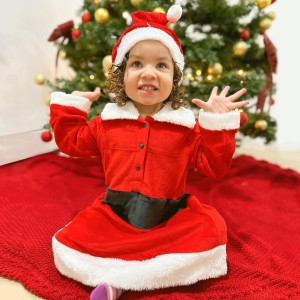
(181,116)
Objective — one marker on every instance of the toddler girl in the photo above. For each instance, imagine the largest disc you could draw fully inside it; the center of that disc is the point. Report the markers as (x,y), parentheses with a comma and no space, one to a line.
(145,232)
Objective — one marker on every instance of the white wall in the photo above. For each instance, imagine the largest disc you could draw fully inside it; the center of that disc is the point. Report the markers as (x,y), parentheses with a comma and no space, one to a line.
(25,52)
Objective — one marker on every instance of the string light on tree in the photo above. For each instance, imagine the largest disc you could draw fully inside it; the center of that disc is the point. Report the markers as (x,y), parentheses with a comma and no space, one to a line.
(159,10)
(263,3)
(240,48)
(240,73)
(39,79)
(101,15)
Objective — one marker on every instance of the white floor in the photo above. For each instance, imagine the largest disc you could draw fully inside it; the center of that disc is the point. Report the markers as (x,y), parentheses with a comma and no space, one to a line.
(12,290)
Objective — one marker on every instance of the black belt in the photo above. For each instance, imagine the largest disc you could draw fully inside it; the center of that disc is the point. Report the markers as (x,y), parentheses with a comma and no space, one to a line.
(141,211)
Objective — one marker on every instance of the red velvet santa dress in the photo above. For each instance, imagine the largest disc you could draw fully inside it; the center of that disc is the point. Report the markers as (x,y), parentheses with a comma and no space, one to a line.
(144,232)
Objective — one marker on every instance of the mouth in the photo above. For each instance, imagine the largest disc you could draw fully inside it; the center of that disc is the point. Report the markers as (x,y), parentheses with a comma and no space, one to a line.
(147,88)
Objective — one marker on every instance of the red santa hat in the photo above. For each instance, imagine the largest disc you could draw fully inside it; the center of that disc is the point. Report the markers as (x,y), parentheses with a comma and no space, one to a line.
(151,26)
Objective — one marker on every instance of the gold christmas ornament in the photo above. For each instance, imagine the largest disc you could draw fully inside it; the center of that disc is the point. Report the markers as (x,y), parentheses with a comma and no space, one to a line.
(39,79)
(101,15)
(272,15)
(261,125)
(265,23)
(240,48)
(217,69)
(136,3)
(263,3)
(47,100)
(159,10)
(62,55)
(107,62)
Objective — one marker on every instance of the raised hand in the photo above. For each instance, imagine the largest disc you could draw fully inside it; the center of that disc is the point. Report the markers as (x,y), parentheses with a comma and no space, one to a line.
(92,96)
(221,103)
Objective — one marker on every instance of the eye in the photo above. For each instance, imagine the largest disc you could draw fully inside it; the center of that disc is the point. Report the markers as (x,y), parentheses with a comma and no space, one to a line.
(161,65)
(136,64)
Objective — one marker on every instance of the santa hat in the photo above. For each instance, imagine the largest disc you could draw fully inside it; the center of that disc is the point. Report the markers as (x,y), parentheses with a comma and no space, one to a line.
(151,26)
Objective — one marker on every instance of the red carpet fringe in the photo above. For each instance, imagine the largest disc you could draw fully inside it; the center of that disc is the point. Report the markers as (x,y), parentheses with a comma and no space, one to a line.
(260,203)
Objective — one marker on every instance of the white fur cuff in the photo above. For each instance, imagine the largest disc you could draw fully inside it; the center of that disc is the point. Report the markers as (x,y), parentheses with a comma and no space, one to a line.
(61,98)
(215,121)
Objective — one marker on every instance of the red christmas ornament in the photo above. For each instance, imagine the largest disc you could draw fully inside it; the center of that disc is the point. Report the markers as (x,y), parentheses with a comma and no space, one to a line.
(243,119)
(76,34)
(46,136)
(244,34)
(262,32)
(273,1)
(272,101)
(86,17)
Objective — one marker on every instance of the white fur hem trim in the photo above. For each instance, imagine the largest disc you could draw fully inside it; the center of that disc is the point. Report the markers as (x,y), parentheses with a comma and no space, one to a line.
(61,98)
(215,121)
(160,272)
(149,33)
(181,116)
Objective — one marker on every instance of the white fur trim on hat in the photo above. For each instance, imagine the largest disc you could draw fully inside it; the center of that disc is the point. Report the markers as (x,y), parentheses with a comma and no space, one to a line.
(174,13)
(149,33)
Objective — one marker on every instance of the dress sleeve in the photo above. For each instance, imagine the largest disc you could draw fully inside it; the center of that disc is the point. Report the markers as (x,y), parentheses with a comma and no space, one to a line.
(74,135)
(214,143)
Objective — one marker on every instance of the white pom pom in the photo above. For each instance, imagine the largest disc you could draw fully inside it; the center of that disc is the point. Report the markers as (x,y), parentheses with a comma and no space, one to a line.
(174,13)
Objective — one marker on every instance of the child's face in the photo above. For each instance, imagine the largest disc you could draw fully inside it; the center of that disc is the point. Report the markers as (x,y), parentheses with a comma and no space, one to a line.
(149,73)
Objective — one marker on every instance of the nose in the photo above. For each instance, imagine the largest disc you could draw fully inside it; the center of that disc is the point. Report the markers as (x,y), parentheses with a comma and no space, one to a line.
(148,72)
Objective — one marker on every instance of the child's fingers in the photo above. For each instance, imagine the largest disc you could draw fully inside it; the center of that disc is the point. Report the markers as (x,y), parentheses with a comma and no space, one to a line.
(214,91)
(200,103)
(225,91)
(240,104)
(237,95)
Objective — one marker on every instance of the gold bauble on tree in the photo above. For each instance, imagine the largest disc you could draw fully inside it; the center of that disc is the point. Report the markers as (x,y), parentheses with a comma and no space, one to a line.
(240,48)
(265,23)
(136,3)
(39,79)
(106,62)
(261,125)
(272,15)
(263,3)
(47,100)
(101,15)
(159,10)
(62,55)
(215,69)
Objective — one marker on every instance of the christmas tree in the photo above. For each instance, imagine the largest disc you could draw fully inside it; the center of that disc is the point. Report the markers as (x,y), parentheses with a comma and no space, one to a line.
(224,43)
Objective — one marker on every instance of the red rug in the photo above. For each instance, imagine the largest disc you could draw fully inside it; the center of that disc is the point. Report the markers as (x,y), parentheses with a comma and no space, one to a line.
(260,203)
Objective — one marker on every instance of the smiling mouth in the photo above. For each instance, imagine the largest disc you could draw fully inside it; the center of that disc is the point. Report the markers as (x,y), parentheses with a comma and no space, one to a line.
(147,88)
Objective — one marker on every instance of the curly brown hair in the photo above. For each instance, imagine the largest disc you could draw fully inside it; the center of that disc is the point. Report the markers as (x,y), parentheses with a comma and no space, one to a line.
(115,83)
